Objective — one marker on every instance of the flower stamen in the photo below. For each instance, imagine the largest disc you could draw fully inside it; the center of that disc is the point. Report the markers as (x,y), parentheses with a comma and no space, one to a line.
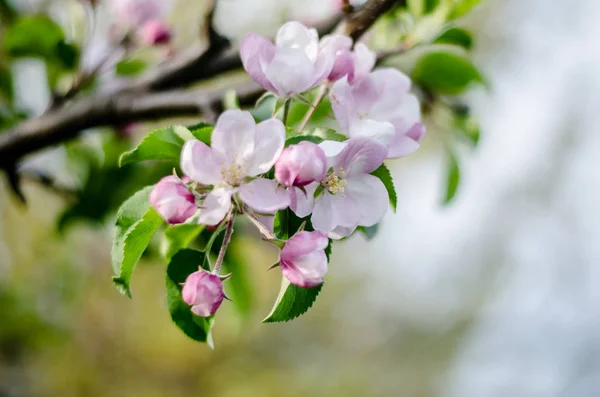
(334,182)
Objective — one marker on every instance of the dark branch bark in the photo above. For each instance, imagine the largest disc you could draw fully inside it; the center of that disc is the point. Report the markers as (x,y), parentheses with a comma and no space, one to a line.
(360,21)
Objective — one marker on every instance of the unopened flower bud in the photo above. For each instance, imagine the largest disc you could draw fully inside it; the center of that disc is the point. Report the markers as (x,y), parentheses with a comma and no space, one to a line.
(154,32)
(203,291)
(301,164)
(303,261)
(173,200)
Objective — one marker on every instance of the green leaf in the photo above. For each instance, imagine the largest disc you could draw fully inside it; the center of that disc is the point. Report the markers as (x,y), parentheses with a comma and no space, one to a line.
(136,224)
(286,224)
(238,286)
(430,5)
(462,7)
(40,36)
(445,73)
(265,106)
(452,178)
(130,67)
(468,127)
(456,36)
(161,144)
(180,236)
(201,132)
(6,86)
(383,173)
(184,263)
(292,302)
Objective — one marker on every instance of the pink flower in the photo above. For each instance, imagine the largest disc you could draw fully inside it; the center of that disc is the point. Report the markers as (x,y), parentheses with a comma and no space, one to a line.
(347,196)
(294,64)
(204,292)
(173,200)
(354,64)
(380,106)
(303,261)
(301,164)
(240,151)
(154,32)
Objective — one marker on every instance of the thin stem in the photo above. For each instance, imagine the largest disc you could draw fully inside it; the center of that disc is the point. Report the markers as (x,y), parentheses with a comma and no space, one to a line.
(226,241)
(286,110)
(262,228)
(320,95)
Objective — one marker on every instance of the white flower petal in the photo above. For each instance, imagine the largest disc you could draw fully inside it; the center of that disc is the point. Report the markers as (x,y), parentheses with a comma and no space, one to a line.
(215,206)
(297,36)
(268,144)
(302,203)
(264,196)
(233,135)
(381,131)
(201,163)
(370,197)
(290,71)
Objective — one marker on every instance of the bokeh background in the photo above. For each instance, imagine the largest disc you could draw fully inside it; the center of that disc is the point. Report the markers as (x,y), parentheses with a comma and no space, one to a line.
(495,294)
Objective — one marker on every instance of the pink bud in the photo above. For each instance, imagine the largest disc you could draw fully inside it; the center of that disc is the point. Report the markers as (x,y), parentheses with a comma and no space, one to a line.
(173,200)
(343,65)
(303,261)
(204,292)
(154,32)
(301,164)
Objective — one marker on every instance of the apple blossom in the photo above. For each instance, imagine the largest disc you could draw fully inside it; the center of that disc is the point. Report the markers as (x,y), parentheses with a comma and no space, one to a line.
(380,106)
(347,196)
(203,291)
(300,164)
(240,151)
(144,17)
(294,64)
(354,64)
(303,261)
(173,200)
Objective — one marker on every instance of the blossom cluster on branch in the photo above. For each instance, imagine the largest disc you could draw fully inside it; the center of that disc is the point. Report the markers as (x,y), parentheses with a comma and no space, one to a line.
(250,169)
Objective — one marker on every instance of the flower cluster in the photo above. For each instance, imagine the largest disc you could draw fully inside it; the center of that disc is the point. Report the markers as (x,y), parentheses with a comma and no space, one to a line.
(249,170)
(145,19)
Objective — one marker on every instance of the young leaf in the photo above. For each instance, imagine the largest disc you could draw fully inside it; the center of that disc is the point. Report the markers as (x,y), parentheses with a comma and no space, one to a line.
(286,224)
(383,173)
(468,127)
(201,132)
(160,144)
(37,36)
(182,264)
(462,7)
(180,236)
(130,67)
(452,178)
(292,302)
(456,36)
(136,224)
(445,73)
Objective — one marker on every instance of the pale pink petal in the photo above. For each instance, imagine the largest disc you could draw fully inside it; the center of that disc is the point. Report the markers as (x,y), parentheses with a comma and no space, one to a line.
(201,163)
(233,135)
(215,206)
(290,71)
(342,102)
(268,144)
(173,200)
(303,243)
(417,132)
(302,203)
(341,232)
(370,197)
(297,36)
(361,156)
(402,145)
(381,131)
(364,62)
(343,65)
(257,52)
(264,196)
(394,99)
(331,211)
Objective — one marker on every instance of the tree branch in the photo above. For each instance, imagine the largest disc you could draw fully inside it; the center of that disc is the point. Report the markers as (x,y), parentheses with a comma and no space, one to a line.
(147,97)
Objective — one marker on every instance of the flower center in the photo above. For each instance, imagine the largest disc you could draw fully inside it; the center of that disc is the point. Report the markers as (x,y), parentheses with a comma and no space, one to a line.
(334,182)
(233,175)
